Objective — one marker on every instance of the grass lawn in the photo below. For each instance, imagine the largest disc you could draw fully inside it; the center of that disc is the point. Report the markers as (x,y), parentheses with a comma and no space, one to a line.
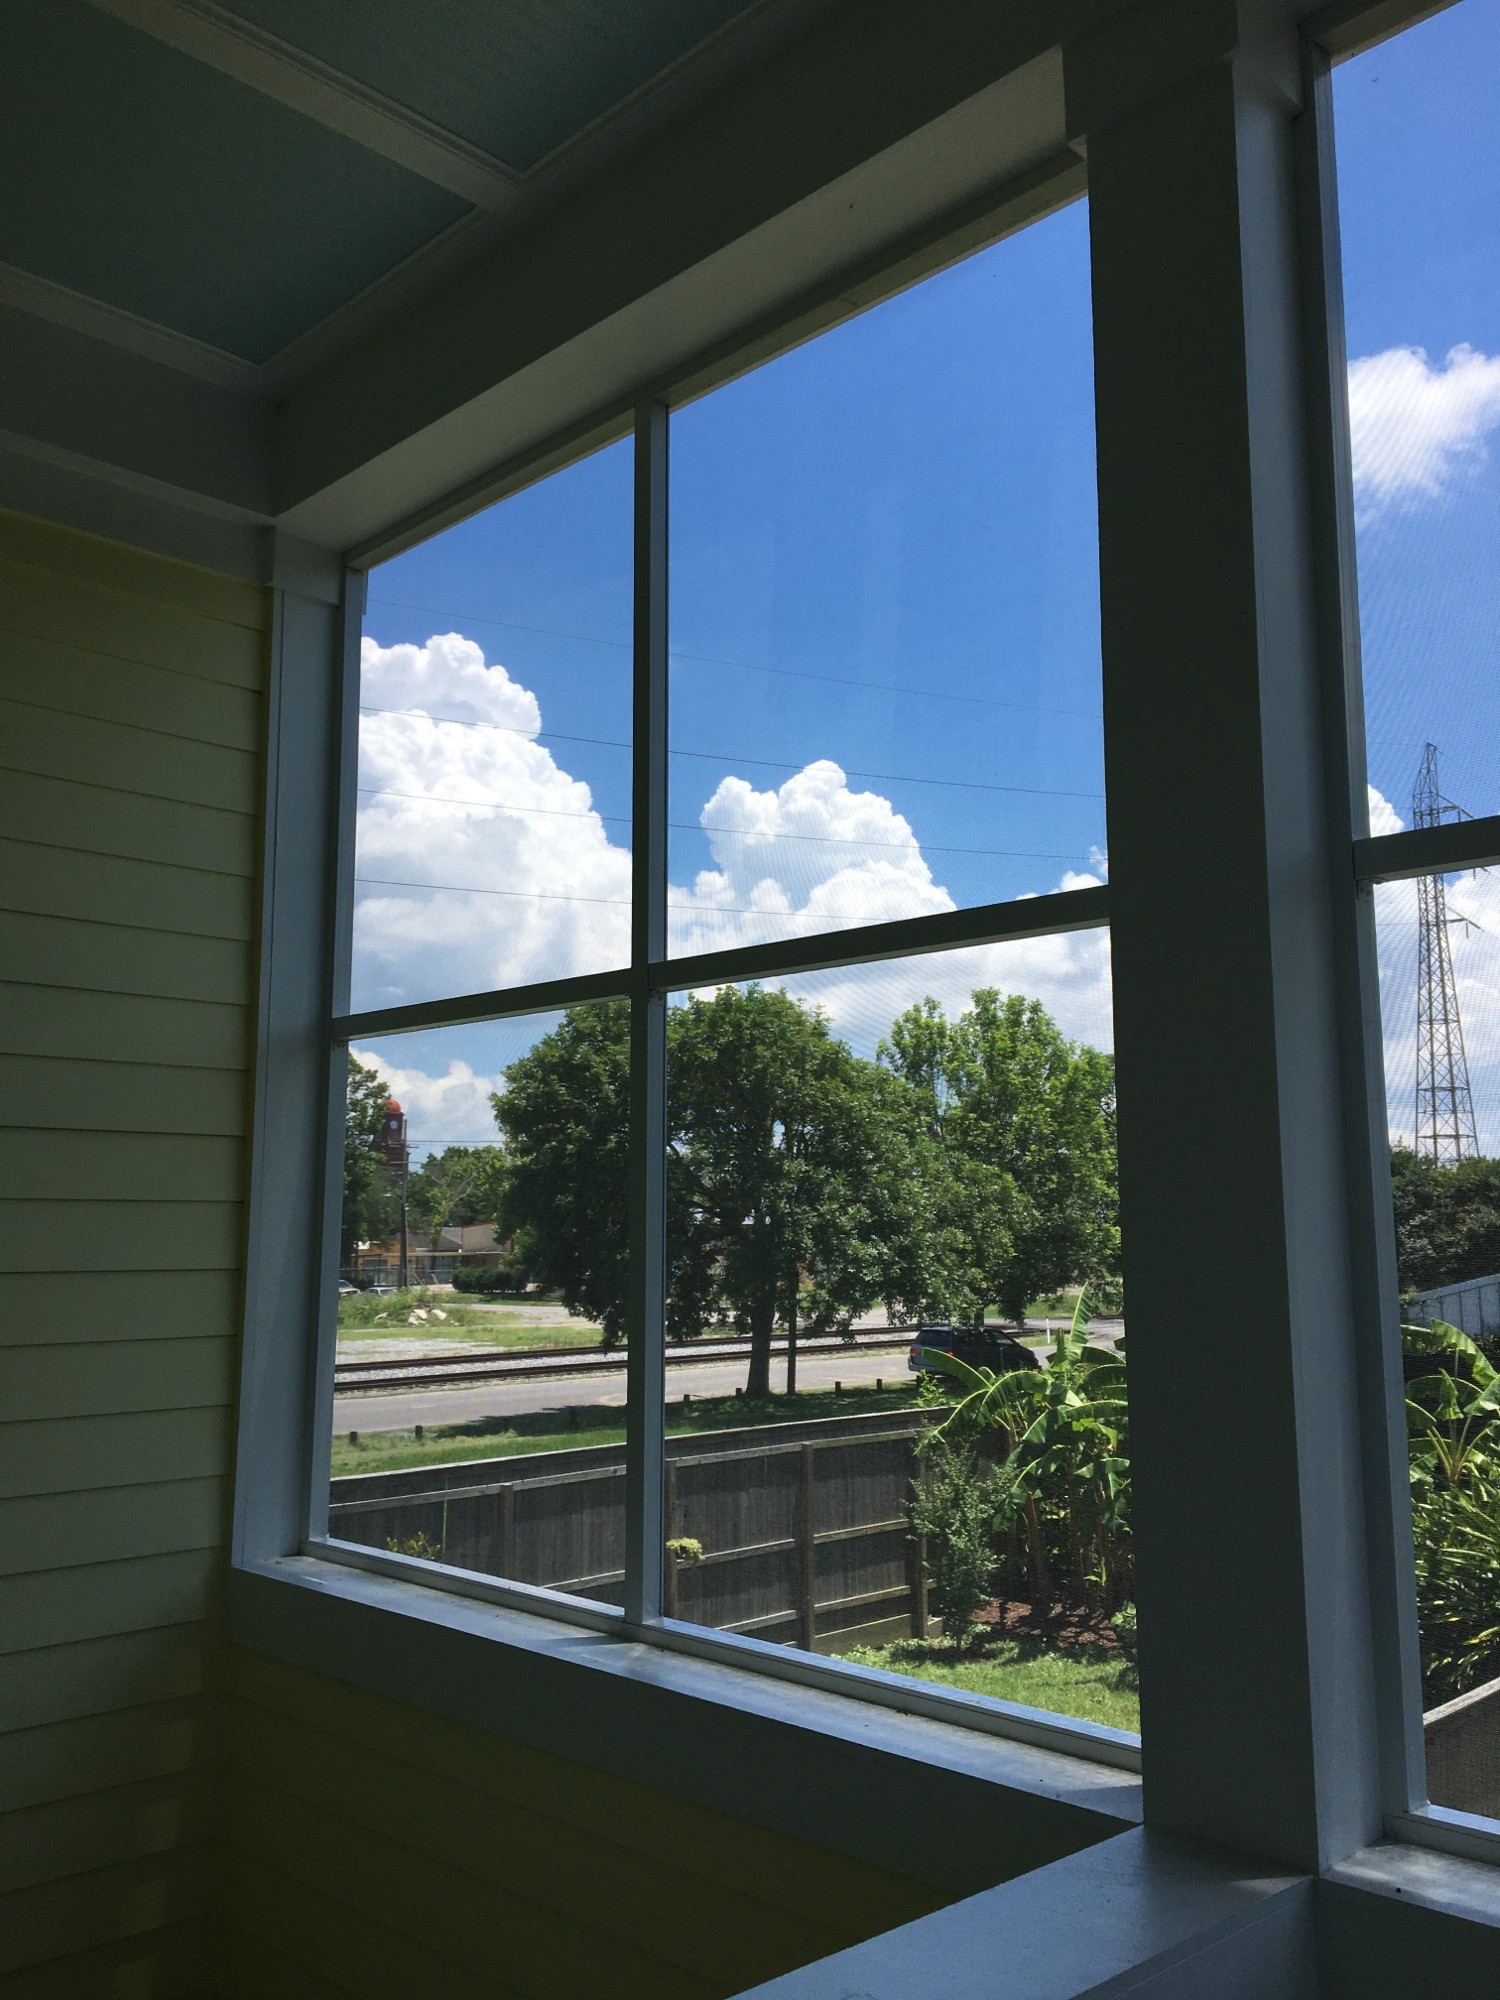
(565,1429)
(1093,1683)
(366,1316)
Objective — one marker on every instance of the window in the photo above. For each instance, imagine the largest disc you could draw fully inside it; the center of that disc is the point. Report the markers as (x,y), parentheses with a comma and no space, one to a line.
(871,1389)
(1418,188)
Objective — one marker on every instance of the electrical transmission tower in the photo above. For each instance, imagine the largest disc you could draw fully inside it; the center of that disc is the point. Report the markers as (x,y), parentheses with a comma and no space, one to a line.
(1445,1107)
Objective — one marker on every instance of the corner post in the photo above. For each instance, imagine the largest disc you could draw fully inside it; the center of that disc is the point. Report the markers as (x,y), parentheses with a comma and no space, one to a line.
(1257,1676)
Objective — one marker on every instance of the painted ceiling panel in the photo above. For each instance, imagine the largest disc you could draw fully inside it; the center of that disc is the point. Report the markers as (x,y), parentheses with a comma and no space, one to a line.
(516,77)
(157,185)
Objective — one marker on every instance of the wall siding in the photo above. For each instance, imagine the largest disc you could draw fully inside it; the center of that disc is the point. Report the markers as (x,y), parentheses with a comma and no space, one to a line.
(177,1816)
(131,697)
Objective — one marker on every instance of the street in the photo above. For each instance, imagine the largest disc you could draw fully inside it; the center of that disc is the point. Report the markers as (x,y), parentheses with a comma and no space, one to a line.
(385,1410)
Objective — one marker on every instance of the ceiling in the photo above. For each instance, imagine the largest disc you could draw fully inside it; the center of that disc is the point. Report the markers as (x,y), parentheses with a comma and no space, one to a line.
(218,183)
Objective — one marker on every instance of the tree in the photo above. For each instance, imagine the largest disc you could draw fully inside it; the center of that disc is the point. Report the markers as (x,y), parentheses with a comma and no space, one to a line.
(462,1184)
(1023,1192)
(564,1114)
(1447,1219)
(370,1209)
(788,1174)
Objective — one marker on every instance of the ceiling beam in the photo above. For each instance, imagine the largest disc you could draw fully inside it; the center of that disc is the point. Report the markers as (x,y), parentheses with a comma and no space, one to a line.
(236,48)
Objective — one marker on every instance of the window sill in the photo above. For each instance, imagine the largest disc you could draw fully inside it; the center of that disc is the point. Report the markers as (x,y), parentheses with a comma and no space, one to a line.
(895,1789)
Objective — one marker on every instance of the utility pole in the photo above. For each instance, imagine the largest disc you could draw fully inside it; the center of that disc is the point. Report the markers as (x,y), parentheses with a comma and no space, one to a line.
(1445,1105)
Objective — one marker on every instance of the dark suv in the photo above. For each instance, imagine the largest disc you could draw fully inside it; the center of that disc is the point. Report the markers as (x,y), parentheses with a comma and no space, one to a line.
(980,1346)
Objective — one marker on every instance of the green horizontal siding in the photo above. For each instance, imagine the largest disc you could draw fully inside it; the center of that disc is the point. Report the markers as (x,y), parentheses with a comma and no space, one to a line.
(87,751)
(97,1908)
(127,1669)
(87,1097)
(119,1235)
(110,889)
(112,958)
(94,1600)
(688,1899)
(95,1378)
(48,1532)
(37,602)
(131,773)
(125,691)
(118,1166)
(99,1753)
(96,819)
(77,1454)
(123,1027)
(47,1307)
(123,1823)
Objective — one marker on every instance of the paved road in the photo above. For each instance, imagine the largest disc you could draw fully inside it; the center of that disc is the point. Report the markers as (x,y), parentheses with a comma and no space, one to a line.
(398,1410)
(384,1410)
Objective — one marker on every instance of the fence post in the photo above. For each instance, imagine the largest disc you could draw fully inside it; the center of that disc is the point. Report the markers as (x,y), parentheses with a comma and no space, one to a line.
(669,1563)
(917,1565)
(807,1623)
(508,1533)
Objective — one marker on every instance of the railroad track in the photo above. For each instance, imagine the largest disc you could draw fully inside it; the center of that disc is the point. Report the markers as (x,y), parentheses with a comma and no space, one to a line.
(530,1364)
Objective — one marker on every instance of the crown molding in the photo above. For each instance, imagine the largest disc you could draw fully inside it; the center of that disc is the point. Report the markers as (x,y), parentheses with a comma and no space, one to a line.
(60,304)
(289,76)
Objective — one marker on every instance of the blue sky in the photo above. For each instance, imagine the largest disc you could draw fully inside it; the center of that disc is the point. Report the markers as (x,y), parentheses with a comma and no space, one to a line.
(885,624)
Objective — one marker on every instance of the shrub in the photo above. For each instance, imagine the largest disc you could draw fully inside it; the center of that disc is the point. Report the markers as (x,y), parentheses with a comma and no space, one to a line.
(954,1512)
(419,1545)
(488,1280)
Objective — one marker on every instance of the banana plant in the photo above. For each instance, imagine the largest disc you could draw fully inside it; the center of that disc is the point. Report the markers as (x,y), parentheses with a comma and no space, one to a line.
(1062,1435)
(1453,1422)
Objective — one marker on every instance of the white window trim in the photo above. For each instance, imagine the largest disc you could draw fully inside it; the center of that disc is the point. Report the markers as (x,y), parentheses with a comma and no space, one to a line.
(282,1555)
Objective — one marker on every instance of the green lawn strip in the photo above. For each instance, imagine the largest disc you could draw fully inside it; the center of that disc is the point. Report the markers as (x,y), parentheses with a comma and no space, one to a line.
(479,1333)
(551,1430)
(366,1316)
(1093,1683)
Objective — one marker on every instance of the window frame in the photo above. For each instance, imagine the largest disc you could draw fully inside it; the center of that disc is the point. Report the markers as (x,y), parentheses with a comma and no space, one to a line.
(281,1500)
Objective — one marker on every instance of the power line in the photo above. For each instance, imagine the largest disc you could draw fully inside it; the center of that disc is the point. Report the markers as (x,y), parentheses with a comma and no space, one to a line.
(619,902)
(749,832)
(725,757)
(741,666)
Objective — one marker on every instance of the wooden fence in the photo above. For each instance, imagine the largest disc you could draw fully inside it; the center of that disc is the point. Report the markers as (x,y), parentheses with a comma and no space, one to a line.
(803,1528)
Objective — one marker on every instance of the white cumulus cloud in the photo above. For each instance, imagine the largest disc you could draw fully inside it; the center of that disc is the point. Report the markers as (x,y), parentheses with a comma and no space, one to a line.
(457,791)
(1415,427)
(809,856)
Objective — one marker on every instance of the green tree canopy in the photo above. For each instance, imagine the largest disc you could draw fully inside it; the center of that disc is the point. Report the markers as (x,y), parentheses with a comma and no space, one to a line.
(370,1209)
(789,1189)
(1447,1219)
(462,1184)
(1024,1160)
(974,1161)
(564,1114)
(789,1181)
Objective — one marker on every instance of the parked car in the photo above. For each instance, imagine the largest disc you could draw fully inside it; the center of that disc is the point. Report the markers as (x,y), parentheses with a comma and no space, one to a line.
(345,1287)
(980,1346)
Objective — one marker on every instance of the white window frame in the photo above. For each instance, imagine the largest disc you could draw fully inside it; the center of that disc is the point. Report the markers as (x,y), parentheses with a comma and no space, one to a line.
(1329,1756)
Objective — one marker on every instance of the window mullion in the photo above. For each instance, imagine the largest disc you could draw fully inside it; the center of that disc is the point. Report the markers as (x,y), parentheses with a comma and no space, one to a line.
(648,1031)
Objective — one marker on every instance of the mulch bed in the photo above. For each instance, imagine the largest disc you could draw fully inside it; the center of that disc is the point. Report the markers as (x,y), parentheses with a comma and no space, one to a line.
(1059,1627)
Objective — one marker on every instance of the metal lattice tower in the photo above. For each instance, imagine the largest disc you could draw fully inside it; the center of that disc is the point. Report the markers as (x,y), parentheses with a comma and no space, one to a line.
(1445,1106)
